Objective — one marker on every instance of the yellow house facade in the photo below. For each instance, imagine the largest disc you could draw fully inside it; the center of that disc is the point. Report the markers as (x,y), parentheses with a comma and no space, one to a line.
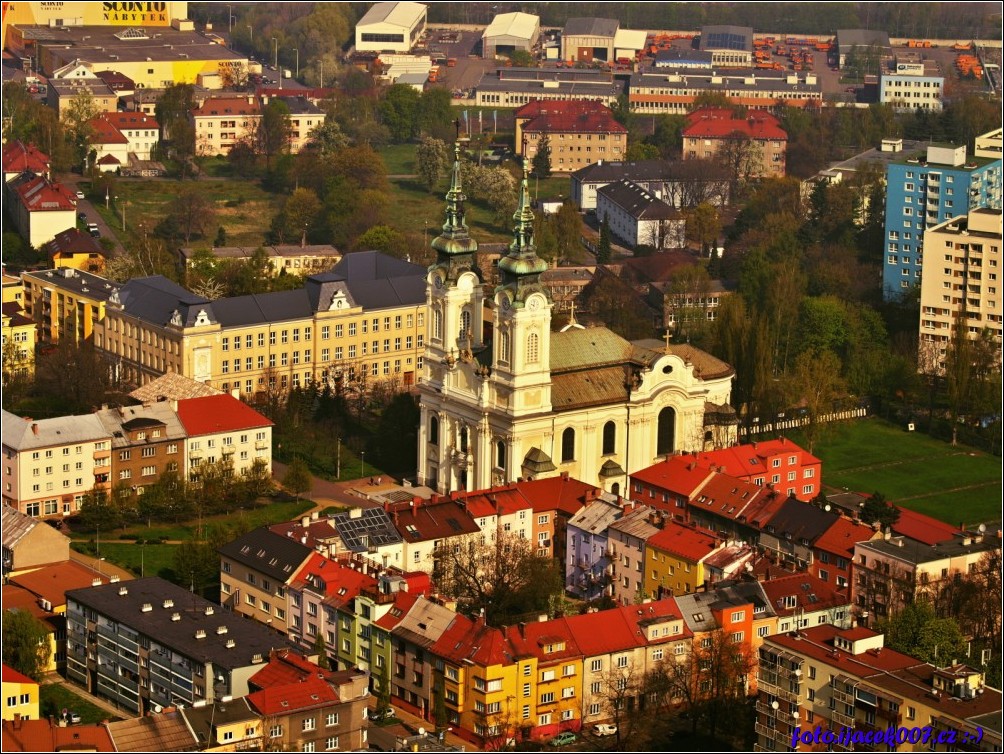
(65,302)
(674,559)
(20,695)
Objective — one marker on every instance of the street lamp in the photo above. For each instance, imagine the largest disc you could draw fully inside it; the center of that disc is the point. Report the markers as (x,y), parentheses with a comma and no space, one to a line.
(362,463)
(251,31)
(230,20)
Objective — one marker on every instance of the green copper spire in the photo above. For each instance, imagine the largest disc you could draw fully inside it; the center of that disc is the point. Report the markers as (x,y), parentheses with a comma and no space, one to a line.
(521,265)
(455,241)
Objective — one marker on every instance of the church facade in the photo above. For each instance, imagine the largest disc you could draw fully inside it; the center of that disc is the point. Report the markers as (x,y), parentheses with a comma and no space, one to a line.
(504,398)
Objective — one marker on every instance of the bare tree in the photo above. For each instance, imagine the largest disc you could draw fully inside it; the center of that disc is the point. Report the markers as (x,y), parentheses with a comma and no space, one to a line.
(623,704)
(743,158)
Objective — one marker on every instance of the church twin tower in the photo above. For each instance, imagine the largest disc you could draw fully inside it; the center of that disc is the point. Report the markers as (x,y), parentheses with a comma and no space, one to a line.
(488,416)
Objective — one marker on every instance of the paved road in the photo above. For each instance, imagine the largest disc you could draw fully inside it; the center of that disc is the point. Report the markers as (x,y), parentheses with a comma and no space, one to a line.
(326,493)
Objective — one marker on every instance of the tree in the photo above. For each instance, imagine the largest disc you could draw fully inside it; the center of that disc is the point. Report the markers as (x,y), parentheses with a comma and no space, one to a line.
(26,645)
(743,158)
(275,130)
(297,479)
(383,690)
(542,159)
(71,378)
(502,575)
(703,225)
(328,137)
(383,238)
(191,213)
(916,630)
(78,115)
(432,161)
(622,690)
(396,435)
(604,252)
(434,115)
(688,289)
(816,383)
(399,111)
(877,508)
(299,214)
(171,111)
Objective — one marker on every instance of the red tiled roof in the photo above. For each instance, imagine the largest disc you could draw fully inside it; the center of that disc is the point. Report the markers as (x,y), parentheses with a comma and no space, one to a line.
(496,502)
(52,582)
(402,604)
(687,542)
(218,413)
(37,194)
(73,241)
(45,735)
(817,643)
(841,537)
(341,583)
(735,499)
(923,528)
(217,106)
(585,123)
(284,668)
(103,132)
(533,639)
(721,123)
(131,119)
(680,475)
(653,611)
(420,521)
(560,493)
(659,268)
(109,159)
(18,157)
(315,531)
(752,459)
(560,107)
(13,676)
(801,586)
(605,631)
(283,699)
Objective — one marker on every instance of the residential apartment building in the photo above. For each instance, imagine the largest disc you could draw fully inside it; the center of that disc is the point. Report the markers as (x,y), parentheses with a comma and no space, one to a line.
(148,643)
(147,441)
(653,92)
(777,464)
(712,133)
(304,117)
(51,464)
(587,562)
(66,302)
(295,259)
(362,322)
(578,133)
(835,679)
(924,190)
(674,559)
(222,428)
(791,533)
(39,208)
(800,600)
(222,122)
(366,532)
(425,527)
(18,339)
(637,217)
(961,281)
(121,138)
(255,571)
(63,92)
(305,708)
(626,540)
(895,570)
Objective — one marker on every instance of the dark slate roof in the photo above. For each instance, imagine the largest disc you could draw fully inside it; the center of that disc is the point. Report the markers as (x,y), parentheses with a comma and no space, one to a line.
(727,38)
(801,520)
(591,27)
(379,281)
(373,523)
(263,307)
(80,282)
(607,170)
(123,602)
(156,299)
(268,553)
(667,58)
(637,202)
(299,105)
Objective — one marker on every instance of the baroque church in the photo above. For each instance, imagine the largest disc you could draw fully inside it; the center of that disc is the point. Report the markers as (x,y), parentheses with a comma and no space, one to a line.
(504,398)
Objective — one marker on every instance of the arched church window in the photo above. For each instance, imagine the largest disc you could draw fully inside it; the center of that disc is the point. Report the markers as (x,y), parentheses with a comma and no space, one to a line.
(568,445)
(666,433)
(504,346)
(463,439)
(434,430)
(437,323)
(465,324)
(500,454)
(532,348)
(609,438)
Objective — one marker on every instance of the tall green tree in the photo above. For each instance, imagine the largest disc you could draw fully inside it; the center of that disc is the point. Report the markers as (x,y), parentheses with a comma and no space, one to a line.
(26,646)
(274,130)
(432,161)
(542,159)
(297,479)
(399,112)
(917,631)
(604,251)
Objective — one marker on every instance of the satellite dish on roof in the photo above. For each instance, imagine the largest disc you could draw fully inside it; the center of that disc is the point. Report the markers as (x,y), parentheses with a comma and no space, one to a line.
(421,731)
(157,708)
(982,528)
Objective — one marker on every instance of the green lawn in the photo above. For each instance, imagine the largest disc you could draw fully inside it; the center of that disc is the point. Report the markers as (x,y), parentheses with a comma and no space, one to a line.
(263,514)
(140,560)
(399,159)
(53,699)
(243,208)
(910,468)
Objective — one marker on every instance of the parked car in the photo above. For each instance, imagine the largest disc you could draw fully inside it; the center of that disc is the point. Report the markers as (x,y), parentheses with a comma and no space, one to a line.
(75,718)
(604,729)
(80,194)
(563,739)
(82,216)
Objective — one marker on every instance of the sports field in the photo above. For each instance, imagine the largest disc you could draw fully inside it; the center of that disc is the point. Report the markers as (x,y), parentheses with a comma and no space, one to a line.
(953,484)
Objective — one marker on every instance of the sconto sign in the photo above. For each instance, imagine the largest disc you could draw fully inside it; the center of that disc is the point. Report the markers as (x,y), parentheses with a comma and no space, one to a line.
(92,14)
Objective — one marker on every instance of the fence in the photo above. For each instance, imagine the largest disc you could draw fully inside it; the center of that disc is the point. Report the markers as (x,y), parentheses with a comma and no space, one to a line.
(782,425)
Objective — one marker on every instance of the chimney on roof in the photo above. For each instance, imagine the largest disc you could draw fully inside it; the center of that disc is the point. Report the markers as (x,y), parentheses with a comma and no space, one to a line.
(564,475)
(34,429)
(522,630)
